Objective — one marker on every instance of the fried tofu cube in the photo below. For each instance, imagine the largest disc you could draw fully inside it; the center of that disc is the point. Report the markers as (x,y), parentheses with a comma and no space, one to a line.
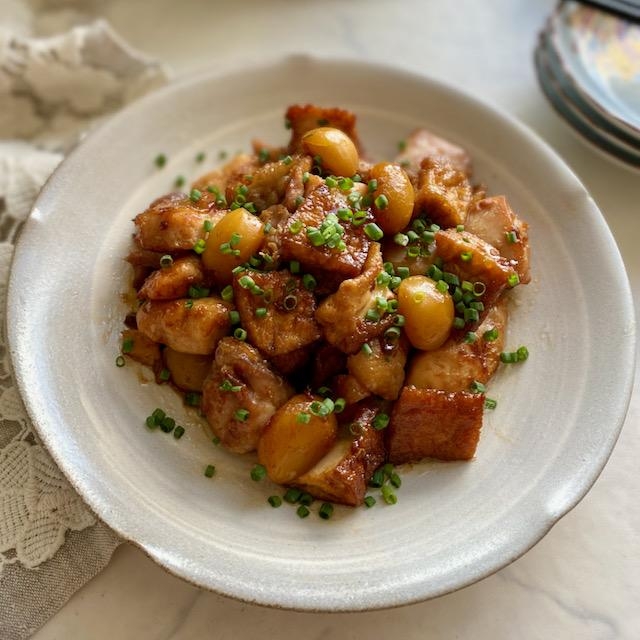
(304,118)
(281,319)
(296,245)
(444,192)
(342,475)
(174,281)
(429,423)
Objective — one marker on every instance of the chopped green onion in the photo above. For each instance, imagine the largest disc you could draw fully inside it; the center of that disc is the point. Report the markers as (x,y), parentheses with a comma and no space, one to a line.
(209,471)
(195,195)
(381,421)
(377,479)
(151,423)
(240,334)
(178,432)
(120,361)
(388,495)
(369,501)
(261,312)
(127,345)
(373,231)
(309,282)
(442,286)
(227,293)
(294,266)
(234,317)
(201,156)
(167,424)
(306,499)
(491,335)
(296,226)
(383,278)
(326,510)
(366,349)
(199,246)
(290,302)
(292,495)
(458,323)
(399,320)
(258,472)
(471,337)
(216,440)
(435,273)
(451,278)
(466,256)
(274,501)
(160,160)
(513,280)
(372,185)
(403,272)
(477,387)
(247,282)
(511,237)
(395,480)
(302,511)
(413,251)
(164,375)
(490,403)
(226,385)
(392,333)
(339,405)
(381,202)
(166,261)
(192,399)
(372,316)
(471,315)
(303,418)
(331,182)
(178,183)
(523,354)
(263,155)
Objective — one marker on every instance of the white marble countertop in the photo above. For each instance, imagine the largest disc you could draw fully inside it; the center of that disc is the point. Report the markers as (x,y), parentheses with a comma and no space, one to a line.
(583,579)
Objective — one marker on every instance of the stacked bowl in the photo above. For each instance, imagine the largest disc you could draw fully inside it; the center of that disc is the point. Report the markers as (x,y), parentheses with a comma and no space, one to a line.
(588,65)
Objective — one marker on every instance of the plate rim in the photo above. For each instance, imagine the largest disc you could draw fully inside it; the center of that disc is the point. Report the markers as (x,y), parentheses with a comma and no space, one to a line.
(269,63)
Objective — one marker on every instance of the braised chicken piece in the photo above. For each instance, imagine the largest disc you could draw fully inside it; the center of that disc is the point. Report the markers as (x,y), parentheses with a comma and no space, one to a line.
(343,315)
(342,475)
(473,259)
(188,326)
(421,144)
(171,223)
(276,310)
(429,423)
(303,119)
(493,220)
(318,212)
(380,369)
(444,192)
(173,281)
(241,394)
(458,363)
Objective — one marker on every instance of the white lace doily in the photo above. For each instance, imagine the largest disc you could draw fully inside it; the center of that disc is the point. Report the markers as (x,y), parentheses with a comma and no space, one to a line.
(51,91)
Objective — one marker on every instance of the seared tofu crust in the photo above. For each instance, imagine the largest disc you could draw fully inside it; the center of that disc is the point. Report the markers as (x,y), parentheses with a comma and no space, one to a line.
(173,281)
(421,144)
(429,423)
(342,475)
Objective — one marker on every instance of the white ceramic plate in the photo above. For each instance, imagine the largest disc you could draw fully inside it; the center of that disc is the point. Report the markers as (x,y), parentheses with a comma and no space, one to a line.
(558,414)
